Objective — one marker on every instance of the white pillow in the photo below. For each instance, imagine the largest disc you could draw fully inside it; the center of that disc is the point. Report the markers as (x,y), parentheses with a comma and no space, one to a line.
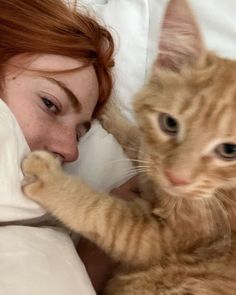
(129,24)
(13,204)
(102,163)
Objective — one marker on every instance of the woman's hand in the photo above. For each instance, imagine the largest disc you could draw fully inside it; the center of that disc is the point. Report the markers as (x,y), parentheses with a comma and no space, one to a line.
(99,265)
(127,191)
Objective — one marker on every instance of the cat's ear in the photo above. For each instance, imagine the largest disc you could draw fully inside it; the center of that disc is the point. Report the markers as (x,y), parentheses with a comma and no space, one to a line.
(180,41)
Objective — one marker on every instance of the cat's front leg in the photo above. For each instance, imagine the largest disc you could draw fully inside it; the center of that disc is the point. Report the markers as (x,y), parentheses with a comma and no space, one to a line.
(123,229)
(126,133)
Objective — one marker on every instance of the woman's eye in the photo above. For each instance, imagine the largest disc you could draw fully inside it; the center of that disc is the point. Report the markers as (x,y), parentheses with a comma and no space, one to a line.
(226,151)
(50,105)
(168,124)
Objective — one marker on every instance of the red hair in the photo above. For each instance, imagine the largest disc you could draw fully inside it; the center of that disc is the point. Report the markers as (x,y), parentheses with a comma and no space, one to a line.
(52,27)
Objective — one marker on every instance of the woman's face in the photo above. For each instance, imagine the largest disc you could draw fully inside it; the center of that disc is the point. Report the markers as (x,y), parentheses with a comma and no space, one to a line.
(53,110)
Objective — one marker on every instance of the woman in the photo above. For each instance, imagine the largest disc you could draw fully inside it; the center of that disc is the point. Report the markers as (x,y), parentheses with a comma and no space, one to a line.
(55,66)
(29,50)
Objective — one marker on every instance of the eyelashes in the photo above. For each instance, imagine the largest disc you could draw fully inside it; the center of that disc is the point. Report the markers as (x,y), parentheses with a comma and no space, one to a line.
(53,109)
(50,105)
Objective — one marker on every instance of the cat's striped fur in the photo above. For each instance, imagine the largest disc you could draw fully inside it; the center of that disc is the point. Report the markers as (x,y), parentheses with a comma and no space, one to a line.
(179,239)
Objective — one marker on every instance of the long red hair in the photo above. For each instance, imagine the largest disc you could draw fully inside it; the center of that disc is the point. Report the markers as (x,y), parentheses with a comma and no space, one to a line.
(52,27)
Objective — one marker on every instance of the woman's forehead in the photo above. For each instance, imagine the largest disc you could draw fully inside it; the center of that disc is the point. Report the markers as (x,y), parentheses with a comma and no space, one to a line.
(82,82)
(45,62)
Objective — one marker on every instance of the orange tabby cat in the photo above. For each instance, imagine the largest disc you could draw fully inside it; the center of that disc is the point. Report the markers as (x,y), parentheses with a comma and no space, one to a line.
(179,238)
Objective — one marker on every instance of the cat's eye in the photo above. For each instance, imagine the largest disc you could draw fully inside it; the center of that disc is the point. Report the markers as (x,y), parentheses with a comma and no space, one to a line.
(226,151)
(168,124)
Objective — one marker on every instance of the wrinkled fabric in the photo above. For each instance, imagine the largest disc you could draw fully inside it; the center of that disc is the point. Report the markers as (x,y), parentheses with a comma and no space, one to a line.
(13,204)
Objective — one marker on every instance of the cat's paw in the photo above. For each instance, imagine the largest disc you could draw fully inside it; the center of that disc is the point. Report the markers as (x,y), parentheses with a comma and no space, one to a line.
(40,169)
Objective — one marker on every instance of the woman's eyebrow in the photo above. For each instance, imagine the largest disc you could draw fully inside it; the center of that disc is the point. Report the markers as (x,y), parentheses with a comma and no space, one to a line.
(71,96)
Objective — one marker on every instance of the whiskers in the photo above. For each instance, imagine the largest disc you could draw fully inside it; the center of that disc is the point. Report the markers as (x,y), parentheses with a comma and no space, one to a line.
(140,166)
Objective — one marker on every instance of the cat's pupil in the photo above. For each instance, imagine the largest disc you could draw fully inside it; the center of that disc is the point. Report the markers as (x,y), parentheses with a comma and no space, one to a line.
(168,124)
(171,123)
(227,151)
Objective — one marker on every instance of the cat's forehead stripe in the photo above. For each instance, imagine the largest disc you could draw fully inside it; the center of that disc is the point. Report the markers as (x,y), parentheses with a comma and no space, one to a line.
(222,111)
(214,108)
(193,107)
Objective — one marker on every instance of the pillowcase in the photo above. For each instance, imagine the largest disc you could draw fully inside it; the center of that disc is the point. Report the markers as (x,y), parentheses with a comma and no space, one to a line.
(102,163)
(128,22)
(13,204)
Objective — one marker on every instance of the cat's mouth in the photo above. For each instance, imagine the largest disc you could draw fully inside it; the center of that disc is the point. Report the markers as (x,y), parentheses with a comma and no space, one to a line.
(187,191)
(181,191)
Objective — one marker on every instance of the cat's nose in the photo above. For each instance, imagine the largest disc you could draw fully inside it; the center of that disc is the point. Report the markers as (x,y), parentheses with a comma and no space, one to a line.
(176,180)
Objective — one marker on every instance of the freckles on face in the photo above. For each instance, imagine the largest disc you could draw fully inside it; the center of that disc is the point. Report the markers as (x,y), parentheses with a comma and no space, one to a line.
(53,110)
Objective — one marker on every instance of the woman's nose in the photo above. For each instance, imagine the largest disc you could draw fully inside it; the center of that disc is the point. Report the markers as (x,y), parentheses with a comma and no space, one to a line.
(70,153)
(66,146)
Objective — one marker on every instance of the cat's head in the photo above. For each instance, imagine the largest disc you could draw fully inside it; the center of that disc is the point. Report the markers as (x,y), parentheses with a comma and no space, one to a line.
(187,112)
